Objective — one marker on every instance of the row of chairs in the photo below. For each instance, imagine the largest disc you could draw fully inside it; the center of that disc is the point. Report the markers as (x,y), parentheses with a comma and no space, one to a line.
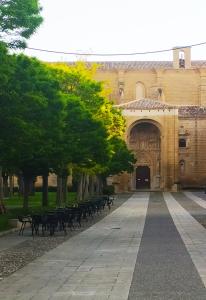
(62,218)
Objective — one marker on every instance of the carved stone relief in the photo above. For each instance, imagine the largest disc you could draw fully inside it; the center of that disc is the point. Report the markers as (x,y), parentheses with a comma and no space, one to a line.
(145,137)
(144,140)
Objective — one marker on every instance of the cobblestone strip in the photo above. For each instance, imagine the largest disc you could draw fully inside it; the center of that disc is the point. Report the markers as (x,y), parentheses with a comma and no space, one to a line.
(96,264)
(195,198)
(192,234)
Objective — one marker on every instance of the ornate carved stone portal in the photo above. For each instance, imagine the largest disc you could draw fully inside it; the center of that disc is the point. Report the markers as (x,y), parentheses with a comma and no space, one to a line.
(144,140)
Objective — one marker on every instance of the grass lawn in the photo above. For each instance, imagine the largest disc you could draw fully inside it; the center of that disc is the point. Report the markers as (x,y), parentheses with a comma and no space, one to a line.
(14,207)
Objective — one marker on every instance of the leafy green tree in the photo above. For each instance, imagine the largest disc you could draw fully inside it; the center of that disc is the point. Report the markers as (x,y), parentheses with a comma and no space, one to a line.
(122,159)
(84,139)
(18,21)
(30,118)
(77,80)
(54,118)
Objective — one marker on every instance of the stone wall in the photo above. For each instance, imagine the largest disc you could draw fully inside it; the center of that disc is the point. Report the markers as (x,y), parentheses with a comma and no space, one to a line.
(183,88)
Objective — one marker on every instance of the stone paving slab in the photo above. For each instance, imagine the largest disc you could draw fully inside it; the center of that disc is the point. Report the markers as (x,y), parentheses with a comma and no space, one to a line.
(96,264)
(192,233)
(17,251)
(164,269)
(192,206)
(196,198)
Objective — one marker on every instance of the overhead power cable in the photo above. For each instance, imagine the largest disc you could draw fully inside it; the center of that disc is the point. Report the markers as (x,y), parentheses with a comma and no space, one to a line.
(113,54)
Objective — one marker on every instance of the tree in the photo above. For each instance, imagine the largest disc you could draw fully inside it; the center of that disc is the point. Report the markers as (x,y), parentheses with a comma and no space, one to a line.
(18,21)
(6,69)
(84,141)
(30,117)
(53,119)
(78,81)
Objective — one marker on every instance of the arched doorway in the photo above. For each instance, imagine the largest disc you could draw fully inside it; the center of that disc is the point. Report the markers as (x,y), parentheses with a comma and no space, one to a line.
(145,141)
(142,177)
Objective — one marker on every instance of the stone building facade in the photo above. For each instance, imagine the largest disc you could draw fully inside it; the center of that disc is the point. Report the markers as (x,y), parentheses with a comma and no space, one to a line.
(164,104)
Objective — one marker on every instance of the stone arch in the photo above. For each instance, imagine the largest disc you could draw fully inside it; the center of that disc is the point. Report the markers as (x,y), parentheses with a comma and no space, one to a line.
(140,90)
(151,121)
(144,139)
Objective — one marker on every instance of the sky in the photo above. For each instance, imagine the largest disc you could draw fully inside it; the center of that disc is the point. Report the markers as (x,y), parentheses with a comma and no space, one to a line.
(119,26)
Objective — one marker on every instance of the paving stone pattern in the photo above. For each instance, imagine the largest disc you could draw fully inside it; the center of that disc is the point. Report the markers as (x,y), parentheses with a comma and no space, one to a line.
(139,251)
(164,269)
(198,197)
(193,235)
(195,208)
(95,264)
(17,251)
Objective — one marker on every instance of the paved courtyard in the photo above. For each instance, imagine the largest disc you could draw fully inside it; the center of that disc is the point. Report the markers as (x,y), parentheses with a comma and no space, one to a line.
(153,246)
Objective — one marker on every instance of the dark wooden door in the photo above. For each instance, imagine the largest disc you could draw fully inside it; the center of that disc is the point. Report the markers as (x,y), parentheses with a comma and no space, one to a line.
(143,177)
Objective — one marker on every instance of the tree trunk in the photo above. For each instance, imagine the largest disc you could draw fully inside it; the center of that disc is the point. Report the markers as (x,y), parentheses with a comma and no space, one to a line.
(21,185)
(5,184)
(32,188)
(91,187)
(59,191)
(27,185)
(85,187)
(80,188)
(2,206)
(45,190)
(11,185)
(99,185)
(104,181)
(64,189)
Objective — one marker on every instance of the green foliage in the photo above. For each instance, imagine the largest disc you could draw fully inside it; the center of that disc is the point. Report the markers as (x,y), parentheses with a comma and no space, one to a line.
(122,159)
(18,21)
(108,190)
(54,118)
(77,80)
(30,116)
(86,138)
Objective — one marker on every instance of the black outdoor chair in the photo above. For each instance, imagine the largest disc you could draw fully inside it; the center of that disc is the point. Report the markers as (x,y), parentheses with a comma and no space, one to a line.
(61,217)
(35,224)
(24,220)
(52,223)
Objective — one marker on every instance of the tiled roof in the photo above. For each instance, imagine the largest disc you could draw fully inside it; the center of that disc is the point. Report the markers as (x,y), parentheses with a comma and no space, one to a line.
(192,111)
(134,65)
(199,63)
(140,65)
(145,104)
(184,111)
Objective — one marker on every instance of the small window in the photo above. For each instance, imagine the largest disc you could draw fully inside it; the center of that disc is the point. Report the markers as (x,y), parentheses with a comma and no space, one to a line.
(182,143)
(182,167)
